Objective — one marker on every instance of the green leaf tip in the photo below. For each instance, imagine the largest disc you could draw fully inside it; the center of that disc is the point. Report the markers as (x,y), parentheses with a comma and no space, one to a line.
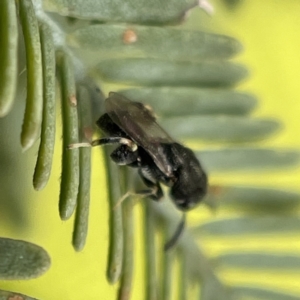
(250,199)
(159,72)
(22,260)
(250,225)
(9,52)
(247,159)
(221,128)
(70,158)
(7,295)
(259,293)
(259,261)
(134,11)
(83,198)
(45,155)
(34,103)
(117,40)
(187,101)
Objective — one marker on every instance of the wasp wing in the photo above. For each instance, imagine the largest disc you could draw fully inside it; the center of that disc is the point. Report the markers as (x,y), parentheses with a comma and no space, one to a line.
(139,123)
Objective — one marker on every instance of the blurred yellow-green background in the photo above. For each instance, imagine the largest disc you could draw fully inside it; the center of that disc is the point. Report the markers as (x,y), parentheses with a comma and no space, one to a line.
(269,31)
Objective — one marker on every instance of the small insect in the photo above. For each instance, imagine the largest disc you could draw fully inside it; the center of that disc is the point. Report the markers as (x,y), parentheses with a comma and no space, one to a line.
(144,145)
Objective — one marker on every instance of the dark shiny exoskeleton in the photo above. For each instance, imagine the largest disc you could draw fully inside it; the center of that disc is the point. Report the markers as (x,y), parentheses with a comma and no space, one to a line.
(143,144)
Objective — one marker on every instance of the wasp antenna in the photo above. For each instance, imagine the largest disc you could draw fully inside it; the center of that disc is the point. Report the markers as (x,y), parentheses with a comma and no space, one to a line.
(177,234)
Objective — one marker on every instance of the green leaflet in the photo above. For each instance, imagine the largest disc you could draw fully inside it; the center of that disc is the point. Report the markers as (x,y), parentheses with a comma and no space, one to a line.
(83,198)
(259,261)
(12,205)
(119,41)
(167,263)
(183,276)
(133,11)
(46,149)
(250,225)
(247,159)
(22,260)
(70,157)
(219,128)
(151,278)
(8,53)
(116,239)
(126,284)
(6,295)
(34,103)
(253,199)
(181,101)
(262,294)
(158,72)
(80,230)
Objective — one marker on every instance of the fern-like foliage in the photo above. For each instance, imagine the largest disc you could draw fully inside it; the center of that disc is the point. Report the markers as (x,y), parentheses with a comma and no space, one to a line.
(75,48)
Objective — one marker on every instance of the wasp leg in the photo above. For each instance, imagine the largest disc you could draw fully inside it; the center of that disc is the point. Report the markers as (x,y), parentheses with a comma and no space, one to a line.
(155,191)
(154,194)
(140,194)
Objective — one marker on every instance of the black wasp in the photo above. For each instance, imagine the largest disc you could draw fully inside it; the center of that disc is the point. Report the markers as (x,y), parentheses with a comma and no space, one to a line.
(143,144)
